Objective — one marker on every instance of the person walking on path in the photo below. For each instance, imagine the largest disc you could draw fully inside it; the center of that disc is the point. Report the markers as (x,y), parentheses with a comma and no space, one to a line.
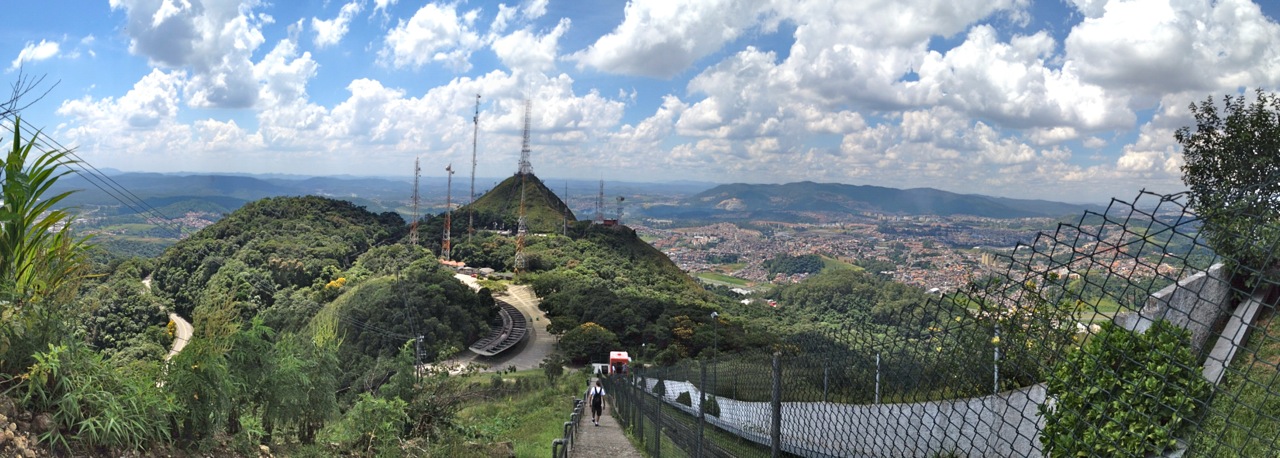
(596,399)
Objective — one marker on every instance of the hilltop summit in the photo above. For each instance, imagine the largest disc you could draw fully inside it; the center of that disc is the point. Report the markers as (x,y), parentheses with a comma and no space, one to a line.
(544,211)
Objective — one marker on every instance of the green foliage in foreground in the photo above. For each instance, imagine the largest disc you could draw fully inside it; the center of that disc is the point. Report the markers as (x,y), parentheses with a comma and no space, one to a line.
(1233,172)
(1241,420)
(1123,393)
(94,405)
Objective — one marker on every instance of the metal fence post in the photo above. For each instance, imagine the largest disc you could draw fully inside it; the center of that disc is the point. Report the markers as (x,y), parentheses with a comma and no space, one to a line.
(702,409)
(657,418)
(825,381)
(637,406)
(775,428)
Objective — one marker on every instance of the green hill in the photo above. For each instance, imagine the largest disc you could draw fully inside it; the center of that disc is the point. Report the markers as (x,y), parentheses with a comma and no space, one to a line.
(544,211)
(270,245)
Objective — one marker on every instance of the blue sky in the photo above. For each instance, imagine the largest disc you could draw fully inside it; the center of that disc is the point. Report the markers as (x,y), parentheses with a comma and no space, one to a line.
(1073,100)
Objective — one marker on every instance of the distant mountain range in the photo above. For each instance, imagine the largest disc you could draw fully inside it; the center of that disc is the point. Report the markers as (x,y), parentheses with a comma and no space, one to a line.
(739,200)
(224,193)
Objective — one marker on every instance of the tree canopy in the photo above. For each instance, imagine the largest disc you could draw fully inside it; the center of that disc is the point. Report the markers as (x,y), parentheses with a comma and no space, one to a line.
(1232,168)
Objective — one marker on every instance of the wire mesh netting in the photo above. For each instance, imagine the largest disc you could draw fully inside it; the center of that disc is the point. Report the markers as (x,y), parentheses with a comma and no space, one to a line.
(1120,334)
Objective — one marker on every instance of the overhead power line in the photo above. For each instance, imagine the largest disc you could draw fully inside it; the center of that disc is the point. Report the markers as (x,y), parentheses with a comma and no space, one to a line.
(102,181)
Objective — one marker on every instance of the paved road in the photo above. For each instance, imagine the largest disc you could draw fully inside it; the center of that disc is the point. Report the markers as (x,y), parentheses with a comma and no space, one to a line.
(538,344)
(182,334)
(183,329)
(606,440)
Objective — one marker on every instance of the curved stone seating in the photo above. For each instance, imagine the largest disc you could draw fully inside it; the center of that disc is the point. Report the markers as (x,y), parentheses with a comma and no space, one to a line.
(504,335)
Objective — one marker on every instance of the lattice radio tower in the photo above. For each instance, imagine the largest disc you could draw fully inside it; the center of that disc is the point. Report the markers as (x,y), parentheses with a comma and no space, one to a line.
(413,227)
(600,204)
(445,248)
(525,170)
(475,132)
(620,199)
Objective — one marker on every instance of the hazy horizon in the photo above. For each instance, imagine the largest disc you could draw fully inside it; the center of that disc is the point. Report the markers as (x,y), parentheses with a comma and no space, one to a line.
(1006,98)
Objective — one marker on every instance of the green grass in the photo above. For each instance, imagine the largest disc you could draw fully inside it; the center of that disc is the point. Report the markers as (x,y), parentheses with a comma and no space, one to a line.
(833,263)
(531,420)
(718,278)
(733,267)
(1243,420)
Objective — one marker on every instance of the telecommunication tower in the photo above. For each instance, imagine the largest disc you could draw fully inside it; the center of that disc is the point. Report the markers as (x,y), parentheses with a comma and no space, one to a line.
(600,204)
(413,227)
(475,132)
(448,215)
(525,170)
(526,167)
(620,199)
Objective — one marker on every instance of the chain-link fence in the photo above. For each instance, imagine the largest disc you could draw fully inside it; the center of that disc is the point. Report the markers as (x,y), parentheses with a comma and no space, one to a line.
(1121,334)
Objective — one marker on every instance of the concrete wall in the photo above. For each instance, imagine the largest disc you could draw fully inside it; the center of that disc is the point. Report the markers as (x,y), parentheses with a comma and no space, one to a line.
(1199,303)
(1001,425)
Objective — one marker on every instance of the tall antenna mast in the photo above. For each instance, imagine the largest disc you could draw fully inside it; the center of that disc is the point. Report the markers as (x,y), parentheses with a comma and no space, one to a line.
(520,230)
(475,132)
(413,227)
(525,167)
(620,199)
(448,215)
(564,230)
(600,204)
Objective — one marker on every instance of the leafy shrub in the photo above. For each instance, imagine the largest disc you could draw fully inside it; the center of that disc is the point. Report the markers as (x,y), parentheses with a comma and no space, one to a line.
(94,403)
(711,407)
(683,398)
(552,367)
(587,342)
(1123,393)
(372,427)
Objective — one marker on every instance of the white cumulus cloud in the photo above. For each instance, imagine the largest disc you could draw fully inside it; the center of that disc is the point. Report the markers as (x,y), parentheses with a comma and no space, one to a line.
(661,38)
(212,39)
(34,52)
(330,31)
(435,33)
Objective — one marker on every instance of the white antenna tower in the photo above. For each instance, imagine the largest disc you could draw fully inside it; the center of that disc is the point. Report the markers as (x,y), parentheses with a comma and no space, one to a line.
(445,248)
(525,166)
(600,204)
(475,132)
(413,227)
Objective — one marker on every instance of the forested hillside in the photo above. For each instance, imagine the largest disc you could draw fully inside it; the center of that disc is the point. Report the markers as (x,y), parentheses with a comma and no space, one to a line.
(637,296)
(268,248)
